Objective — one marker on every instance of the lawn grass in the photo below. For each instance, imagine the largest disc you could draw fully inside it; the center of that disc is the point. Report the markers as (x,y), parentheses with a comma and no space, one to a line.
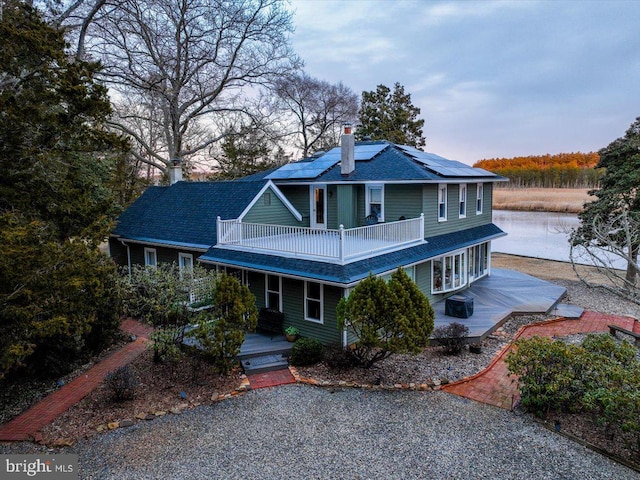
(570,200)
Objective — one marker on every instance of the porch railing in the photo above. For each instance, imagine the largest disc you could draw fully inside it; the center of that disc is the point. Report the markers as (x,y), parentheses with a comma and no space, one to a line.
(341,245)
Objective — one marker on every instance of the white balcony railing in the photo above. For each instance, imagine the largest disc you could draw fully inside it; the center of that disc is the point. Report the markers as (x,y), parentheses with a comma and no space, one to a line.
(339,246)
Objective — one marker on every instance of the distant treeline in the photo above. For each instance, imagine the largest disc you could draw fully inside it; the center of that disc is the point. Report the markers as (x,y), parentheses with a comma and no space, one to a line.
(564,170)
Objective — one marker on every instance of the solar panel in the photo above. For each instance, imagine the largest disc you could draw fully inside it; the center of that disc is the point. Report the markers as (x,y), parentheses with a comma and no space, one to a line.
(302,170)
(443,166)
(367,152)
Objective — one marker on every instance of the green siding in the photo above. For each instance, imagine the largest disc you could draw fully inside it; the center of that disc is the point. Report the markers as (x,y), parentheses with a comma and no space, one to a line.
(293,306)
(423,279)
(332,207)
(360,204)
(298,195)
(256,285)
(270,209)
(454,222)
(163,254)
(346,207)
(402,201)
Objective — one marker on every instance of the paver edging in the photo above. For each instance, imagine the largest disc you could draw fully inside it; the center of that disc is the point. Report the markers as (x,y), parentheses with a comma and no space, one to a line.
(141,417)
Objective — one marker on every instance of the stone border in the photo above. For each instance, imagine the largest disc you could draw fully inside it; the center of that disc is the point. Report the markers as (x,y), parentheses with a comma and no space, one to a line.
(420,387)
(241,389)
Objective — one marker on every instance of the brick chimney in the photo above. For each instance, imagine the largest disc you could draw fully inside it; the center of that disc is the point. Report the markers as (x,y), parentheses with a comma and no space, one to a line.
(347,159)
(175,172)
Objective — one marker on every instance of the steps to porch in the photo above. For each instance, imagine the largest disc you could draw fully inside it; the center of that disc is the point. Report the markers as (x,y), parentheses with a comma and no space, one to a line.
(264,353)
(265,363)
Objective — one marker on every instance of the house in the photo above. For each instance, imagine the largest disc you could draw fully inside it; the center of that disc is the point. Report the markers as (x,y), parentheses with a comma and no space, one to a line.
(302,235)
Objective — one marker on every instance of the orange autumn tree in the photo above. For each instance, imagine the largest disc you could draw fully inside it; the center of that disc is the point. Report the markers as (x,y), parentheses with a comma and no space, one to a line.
(563,170)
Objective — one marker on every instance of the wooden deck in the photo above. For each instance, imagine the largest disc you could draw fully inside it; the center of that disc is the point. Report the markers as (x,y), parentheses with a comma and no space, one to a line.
(500,295)
(495,299)
(261,344)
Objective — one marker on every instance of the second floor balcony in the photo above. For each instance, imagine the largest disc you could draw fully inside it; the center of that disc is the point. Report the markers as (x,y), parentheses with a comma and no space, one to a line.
(340,245)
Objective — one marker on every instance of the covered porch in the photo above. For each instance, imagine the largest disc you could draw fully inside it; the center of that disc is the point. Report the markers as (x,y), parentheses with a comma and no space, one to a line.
(496,298)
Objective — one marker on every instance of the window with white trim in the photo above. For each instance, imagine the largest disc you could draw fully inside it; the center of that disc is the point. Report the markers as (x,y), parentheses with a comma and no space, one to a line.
(479,198)
(442,202)
(150,257)
(462,200)
(273,294)
(448,273)
(313,293)
(375,201)
(478,261)
(185,263)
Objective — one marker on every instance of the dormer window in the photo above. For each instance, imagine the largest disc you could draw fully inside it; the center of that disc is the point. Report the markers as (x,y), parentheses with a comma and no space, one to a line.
(375,201)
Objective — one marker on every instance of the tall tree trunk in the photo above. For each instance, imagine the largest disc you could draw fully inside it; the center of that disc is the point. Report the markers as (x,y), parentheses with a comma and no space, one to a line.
(632,266)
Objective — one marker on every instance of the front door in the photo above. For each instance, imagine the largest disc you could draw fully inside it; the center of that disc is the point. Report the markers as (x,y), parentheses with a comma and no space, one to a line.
(318,206)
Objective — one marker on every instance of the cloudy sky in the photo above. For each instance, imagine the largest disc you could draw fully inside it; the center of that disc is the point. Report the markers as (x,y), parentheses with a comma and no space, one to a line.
(492,78)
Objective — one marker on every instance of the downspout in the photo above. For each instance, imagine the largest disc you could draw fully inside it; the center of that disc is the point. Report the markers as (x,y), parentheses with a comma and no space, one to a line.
(345,294)
(128,256)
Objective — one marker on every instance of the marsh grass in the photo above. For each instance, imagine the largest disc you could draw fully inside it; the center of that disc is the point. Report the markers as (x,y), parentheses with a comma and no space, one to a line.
(569,200)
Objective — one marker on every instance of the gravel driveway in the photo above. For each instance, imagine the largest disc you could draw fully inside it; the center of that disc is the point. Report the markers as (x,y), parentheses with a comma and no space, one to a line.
(303,432)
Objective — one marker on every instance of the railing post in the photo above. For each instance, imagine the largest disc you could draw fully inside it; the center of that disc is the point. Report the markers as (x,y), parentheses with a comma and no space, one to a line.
(422,232)
(341,243)
(240,232)
(218,234)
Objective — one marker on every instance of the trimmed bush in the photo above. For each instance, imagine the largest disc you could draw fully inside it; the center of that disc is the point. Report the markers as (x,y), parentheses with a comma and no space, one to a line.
(600,376)
(451,337)
(386,318)
(122,384)
(166,344)
(551,374)
(306,351)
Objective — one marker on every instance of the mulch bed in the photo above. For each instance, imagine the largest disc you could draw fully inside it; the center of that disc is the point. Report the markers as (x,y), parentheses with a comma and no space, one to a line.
(162,389)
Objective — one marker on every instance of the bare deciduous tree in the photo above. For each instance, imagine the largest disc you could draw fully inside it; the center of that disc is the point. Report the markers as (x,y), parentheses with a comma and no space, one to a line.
(613,240)
(319,109)
(189,65)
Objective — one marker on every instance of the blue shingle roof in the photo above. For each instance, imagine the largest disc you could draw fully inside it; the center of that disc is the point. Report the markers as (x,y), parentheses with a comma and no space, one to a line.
(353,272)
(392,163)
(184,214)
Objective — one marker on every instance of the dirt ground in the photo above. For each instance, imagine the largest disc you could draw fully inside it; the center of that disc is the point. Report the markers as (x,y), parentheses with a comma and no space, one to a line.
(538,267)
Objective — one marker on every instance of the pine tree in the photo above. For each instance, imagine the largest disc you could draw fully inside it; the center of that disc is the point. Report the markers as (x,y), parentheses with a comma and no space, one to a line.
(386,318)
(386,115)
(57,290)
(617,198)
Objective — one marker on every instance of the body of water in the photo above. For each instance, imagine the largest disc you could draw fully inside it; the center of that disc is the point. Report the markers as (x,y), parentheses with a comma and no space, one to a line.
(539,235)
(535,234)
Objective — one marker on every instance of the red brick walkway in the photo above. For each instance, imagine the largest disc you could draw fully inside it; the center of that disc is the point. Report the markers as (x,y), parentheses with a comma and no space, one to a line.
(494,386)
(26,425)
(271,379)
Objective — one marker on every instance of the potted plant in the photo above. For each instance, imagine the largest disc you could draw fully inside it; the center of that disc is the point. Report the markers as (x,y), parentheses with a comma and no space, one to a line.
(291,333)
